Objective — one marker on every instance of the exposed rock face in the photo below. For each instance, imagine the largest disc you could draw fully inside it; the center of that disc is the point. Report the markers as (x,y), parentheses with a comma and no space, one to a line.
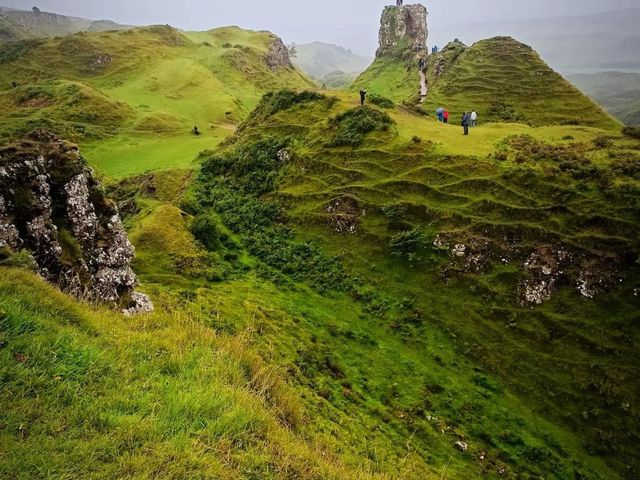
(278,56)
(52,206)
(403,30)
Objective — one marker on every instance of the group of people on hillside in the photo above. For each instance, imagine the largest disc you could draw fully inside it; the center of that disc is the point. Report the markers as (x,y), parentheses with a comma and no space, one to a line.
(468,119)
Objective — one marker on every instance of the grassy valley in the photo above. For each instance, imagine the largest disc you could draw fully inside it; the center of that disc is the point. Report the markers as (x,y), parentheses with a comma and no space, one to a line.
(131,98)
(617,92)
(341,291)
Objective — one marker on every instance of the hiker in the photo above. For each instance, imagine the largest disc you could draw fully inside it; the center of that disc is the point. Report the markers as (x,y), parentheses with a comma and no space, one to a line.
(466,120)
(445,116)
(440,113)
(434,49)
(474,118)
(196,131)
(363,97)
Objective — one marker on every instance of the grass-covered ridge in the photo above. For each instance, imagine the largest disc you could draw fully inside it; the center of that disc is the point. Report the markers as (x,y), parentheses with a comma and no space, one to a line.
(131,98)
(91,394)
(434,242)
(503,79)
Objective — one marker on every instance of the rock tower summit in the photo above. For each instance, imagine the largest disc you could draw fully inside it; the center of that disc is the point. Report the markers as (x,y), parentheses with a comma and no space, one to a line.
(403,30)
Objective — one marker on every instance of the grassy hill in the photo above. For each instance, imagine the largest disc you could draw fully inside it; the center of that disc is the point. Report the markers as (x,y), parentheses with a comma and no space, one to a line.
(617,92)
(340,292)
(89,393)
(501,78)
(131,98)
(382,205)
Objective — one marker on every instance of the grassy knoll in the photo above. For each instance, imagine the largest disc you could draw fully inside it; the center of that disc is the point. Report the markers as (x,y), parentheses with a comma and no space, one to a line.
(88,393)
(377,208)
(132,97)
(504,80)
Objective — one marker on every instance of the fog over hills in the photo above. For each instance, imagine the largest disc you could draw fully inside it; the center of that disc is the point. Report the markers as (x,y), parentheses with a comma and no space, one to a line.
(585,44)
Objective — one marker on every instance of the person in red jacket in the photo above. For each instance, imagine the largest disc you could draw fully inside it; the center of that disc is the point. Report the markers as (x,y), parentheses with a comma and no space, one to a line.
(446,116)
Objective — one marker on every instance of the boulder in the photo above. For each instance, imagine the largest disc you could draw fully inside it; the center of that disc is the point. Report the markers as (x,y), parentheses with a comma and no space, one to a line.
(403,29)
(52,206)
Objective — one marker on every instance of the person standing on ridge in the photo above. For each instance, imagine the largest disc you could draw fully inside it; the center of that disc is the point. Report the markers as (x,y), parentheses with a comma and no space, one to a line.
(445,116)
(466,120)
(474,118)
(363,97)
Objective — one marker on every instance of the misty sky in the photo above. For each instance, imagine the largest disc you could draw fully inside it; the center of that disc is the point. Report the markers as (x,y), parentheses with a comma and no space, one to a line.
(351,23)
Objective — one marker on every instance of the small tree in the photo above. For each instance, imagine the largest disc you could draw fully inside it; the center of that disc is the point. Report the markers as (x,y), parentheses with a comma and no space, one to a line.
(35,10)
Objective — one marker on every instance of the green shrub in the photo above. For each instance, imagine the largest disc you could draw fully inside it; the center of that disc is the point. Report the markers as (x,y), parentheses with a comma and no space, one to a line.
(632,132)
(627,165)
(602,142)
(408,244)
(20,259)
(500,110)
(274,102)
(14,50)
(233,184)
(206,230)
(354,124)
(381,101)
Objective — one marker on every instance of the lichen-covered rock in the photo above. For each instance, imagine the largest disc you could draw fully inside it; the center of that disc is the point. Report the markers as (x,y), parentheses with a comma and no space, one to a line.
(543,269)
(140,303)
(46,188)
(403,29)
(80,211)
(277,57)
(9,236)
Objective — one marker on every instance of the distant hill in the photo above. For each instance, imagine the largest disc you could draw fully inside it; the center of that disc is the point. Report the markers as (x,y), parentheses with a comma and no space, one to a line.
(136,94)
(503,79)
(617,92)
(22,24)
(331,64)
(587,43)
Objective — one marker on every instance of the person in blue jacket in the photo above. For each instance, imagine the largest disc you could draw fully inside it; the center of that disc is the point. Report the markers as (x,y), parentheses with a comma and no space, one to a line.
(466,120)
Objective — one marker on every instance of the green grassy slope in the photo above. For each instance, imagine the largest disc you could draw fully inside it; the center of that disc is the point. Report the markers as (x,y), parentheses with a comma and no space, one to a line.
(132,97)
(89,393)
(502,79)
(551,386)
(390,352)
(394,78)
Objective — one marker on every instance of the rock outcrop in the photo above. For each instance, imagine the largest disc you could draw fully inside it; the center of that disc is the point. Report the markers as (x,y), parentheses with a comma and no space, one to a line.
(403,30)
(52,206)
(277,57)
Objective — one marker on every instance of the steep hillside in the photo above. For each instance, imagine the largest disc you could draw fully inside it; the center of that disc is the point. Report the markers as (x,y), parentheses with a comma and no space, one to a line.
(20,25)
(498,281)
(617,92)
(438,308)
(502,79)
(131,98)
(87,393)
